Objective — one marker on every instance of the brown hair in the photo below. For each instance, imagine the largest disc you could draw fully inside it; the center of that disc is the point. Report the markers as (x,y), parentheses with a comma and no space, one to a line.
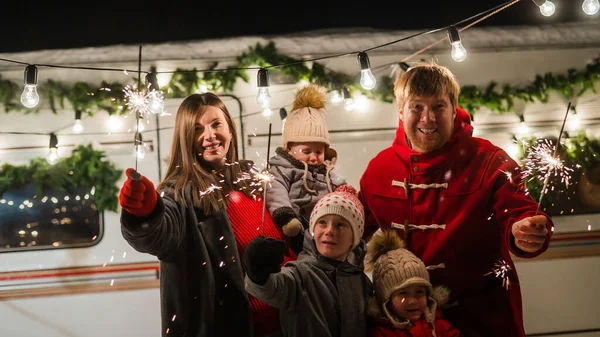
(184,166)
(426,79)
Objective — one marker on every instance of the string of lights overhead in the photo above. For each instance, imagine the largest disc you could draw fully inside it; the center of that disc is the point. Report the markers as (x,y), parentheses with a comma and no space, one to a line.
(151,101)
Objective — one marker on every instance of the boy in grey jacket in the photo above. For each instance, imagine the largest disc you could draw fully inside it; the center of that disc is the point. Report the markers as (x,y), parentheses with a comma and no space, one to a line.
(323,293)
(302,167)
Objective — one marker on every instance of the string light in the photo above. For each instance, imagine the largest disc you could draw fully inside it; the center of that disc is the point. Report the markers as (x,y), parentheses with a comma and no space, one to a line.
(523,129)
(267,112)
(590,7)
(140,123)
(348,101)
(156,99)
(458,53)
(547,7)
(30,97)
(52,157)
(139,150)
(397,67)
(367,80)
(78,126)
(263,98)
(575,120)
(513,148)
(335,97)
(283,116)
(113,123)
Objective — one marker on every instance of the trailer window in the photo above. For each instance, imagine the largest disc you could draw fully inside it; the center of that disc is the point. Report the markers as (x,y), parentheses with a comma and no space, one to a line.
(53,220)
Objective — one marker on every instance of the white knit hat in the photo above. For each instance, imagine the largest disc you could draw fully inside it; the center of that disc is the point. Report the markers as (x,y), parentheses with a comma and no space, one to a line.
(343,202)
(306,122)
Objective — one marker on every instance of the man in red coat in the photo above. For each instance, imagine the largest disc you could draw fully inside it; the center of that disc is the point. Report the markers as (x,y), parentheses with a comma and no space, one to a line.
(458,201)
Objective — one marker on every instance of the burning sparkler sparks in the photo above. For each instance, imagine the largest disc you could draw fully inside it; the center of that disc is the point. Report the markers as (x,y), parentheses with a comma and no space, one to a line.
(501,270)
(211,188)
(541,163)
(137,101)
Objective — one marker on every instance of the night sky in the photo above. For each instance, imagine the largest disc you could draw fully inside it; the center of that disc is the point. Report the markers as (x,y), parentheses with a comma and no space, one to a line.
(105,23)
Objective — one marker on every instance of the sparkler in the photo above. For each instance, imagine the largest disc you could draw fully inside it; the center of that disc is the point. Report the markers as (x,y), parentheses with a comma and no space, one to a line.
(501,269)
(543,159)
(266,182)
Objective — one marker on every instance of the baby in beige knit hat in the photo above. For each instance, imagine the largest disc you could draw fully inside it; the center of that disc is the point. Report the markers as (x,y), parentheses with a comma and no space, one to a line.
(405,302)
(302,167)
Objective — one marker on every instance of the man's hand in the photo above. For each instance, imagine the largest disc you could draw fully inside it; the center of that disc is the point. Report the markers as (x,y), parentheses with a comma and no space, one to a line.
(530,233)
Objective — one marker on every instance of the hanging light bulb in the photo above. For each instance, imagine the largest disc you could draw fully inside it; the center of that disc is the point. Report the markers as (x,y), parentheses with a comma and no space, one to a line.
(458,53)
(547,8)
(575,120)
(78,126)
(140,123)
(335,97)
(348,101)
(367,80)
(52,156)
(591,7)
(267,112)
(523,129)
(30,97)
(139,149)
(398,69)
(113,123)
(513,148)
(156,99)
(283,116)
(263,98)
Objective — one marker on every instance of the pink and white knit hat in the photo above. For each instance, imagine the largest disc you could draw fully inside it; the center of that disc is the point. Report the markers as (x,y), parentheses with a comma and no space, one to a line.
(343,202)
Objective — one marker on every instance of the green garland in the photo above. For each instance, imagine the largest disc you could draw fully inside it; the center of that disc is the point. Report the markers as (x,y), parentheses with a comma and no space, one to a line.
(110,97)
(85,167)
(576,151)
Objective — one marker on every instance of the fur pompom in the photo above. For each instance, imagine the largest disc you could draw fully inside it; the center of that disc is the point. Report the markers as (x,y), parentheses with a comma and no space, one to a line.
(311,96)
(441,295)
(380,244)
(347,189)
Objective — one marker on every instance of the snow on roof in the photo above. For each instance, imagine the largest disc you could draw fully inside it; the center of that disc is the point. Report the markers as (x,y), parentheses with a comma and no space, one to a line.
(328,42)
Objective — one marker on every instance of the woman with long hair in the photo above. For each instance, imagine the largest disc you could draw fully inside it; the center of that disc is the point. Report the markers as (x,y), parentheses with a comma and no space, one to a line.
(198,222)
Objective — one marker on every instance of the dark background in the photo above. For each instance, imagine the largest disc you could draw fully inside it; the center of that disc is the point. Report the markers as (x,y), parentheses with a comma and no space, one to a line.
(101,23)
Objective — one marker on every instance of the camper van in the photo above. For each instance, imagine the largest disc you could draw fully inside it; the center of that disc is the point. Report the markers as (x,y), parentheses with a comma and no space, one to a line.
(65,268)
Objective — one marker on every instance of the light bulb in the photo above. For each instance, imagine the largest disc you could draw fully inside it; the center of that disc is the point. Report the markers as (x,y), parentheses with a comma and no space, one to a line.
(156,102)
(458,53)
(263,98)
(139,151)
(336,97)
(547,8)
(349,104)
(140,125)
(367,80)
(52,156)
(523,128)
(348,101)
(77,127)
(590,7)
(513,151)
(30,97)
(267,112)
(114,123)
